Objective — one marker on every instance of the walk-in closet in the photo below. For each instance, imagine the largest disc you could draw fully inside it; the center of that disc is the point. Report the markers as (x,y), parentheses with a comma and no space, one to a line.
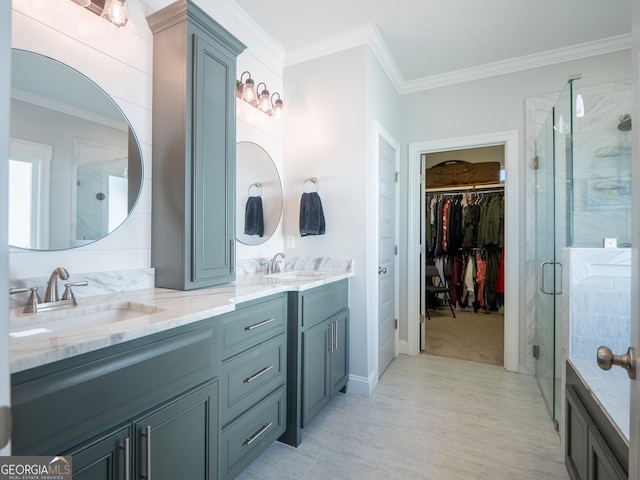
(462,301)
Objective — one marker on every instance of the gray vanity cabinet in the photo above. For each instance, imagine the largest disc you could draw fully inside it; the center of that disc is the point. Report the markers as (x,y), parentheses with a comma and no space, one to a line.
(88,406)
(253,381)
(319,354)
(594,450)
(194,141)
(147,447)
(104,458)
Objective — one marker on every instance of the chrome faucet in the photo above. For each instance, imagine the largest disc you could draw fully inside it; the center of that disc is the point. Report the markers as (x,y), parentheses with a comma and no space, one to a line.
(51,295)
(273,264)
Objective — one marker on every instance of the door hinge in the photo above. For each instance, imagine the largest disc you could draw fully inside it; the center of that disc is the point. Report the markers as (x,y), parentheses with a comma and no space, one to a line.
(535,163)
(395,323)
(536,351)
(396,176)
(395,249)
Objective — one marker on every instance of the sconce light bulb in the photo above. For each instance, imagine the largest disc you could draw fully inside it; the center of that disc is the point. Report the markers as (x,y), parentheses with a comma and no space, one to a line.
(265,101)
(249,91)
(277,109)
(115,12)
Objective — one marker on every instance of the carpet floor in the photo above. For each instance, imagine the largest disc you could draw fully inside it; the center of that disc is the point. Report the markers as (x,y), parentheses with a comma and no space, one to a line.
(477,337)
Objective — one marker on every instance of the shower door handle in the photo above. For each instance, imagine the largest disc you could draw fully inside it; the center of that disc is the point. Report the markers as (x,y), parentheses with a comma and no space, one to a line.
(542,289)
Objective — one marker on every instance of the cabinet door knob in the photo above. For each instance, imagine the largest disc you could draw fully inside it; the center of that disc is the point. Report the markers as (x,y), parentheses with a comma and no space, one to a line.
(382,270)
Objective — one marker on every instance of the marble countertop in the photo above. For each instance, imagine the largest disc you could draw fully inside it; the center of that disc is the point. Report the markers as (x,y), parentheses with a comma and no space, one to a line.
(105,320)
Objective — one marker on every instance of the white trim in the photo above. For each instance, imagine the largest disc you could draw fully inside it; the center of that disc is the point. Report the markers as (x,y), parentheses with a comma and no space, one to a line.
(372,245)
(242,25)
(369,34)
(513,241)
(363,386)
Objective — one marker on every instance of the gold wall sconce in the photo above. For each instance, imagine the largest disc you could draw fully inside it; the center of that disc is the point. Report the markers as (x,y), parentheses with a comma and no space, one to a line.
(113,11)
(258,98)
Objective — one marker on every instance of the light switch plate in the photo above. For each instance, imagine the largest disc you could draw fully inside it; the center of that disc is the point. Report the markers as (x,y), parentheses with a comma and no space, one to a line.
(610,243)
(291,242)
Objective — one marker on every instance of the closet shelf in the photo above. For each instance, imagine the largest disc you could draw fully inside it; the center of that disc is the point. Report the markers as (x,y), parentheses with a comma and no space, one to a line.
(465,188)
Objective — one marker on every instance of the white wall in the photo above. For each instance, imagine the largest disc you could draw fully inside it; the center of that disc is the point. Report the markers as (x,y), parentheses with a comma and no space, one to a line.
(325,128)
(120,61)
(481,107)
(333,103)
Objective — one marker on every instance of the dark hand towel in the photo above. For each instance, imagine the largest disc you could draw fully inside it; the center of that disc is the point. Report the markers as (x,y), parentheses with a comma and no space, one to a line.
(254,217)
(311,215)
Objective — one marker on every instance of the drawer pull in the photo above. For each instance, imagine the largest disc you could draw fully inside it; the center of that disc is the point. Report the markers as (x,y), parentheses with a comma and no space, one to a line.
(147,434)
(260,324)
(255,436)
(257,374)
(127,459)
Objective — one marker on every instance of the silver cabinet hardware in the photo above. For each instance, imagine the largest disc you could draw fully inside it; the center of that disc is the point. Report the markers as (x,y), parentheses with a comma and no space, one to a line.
(255,436)
(147,434)
(260,324)
(335,335)
(258,374)
(606,359)
(127,459)
(382,270)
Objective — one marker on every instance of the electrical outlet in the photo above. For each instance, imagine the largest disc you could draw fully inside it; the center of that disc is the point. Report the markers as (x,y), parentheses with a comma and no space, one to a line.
(291,242)
(610,243)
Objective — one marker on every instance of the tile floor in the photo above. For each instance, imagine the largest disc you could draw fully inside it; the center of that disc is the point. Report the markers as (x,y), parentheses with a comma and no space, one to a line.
(429,418)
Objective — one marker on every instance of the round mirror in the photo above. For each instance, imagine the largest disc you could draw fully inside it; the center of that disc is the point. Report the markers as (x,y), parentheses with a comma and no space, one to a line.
(75,167)
(258,194)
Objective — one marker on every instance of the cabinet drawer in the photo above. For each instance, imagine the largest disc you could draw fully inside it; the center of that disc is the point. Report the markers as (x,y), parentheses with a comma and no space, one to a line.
(251,434)
(322,302)
(252,324)
(251,376)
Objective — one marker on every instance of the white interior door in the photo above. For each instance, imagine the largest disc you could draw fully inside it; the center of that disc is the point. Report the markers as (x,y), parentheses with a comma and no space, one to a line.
(386,254)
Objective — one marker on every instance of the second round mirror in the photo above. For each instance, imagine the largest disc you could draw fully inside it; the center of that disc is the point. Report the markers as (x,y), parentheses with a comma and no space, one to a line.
(258,194)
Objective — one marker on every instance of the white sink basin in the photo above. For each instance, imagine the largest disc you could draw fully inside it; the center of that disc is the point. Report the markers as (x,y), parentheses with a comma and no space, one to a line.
(78,318)
(295,275)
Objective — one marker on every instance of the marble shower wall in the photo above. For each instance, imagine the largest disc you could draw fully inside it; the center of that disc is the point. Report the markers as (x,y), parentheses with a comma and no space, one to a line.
(602,166)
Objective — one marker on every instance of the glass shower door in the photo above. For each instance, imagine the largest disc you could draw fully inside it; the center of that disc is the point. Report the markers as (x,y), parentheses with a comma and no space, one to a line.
(554,194)
(544,347)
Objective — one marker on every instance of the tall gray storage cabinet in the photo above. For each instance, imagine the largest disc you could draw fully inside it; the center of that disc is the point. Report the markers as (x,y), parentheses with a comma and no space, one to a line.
(194,138)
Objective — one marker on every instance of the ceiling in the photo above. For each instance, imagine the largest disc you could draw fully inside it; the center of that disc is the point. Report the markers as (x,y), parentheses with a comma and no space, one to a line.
(431,38)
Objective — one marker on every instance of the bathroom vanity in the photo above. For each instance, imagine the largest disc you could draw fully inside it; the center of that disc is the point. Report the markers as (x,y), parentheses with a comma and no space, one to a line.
(194,387)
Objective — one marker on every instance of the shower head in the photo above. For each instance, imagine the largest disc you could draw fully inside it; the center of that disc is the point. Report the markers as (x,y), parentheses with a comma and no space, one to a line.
(625,123)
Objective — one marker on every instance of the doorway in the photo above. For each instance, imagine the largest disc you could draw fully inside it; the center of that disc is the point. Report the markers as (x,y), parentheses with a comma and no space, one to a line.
(514,198)
(462,305)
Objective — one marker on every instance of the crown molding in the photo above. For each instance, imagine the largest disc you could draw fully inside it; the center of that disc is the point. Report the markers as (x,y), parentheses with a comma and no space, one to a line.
(574,52)
(370,35)
(258,41)
(365,35)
